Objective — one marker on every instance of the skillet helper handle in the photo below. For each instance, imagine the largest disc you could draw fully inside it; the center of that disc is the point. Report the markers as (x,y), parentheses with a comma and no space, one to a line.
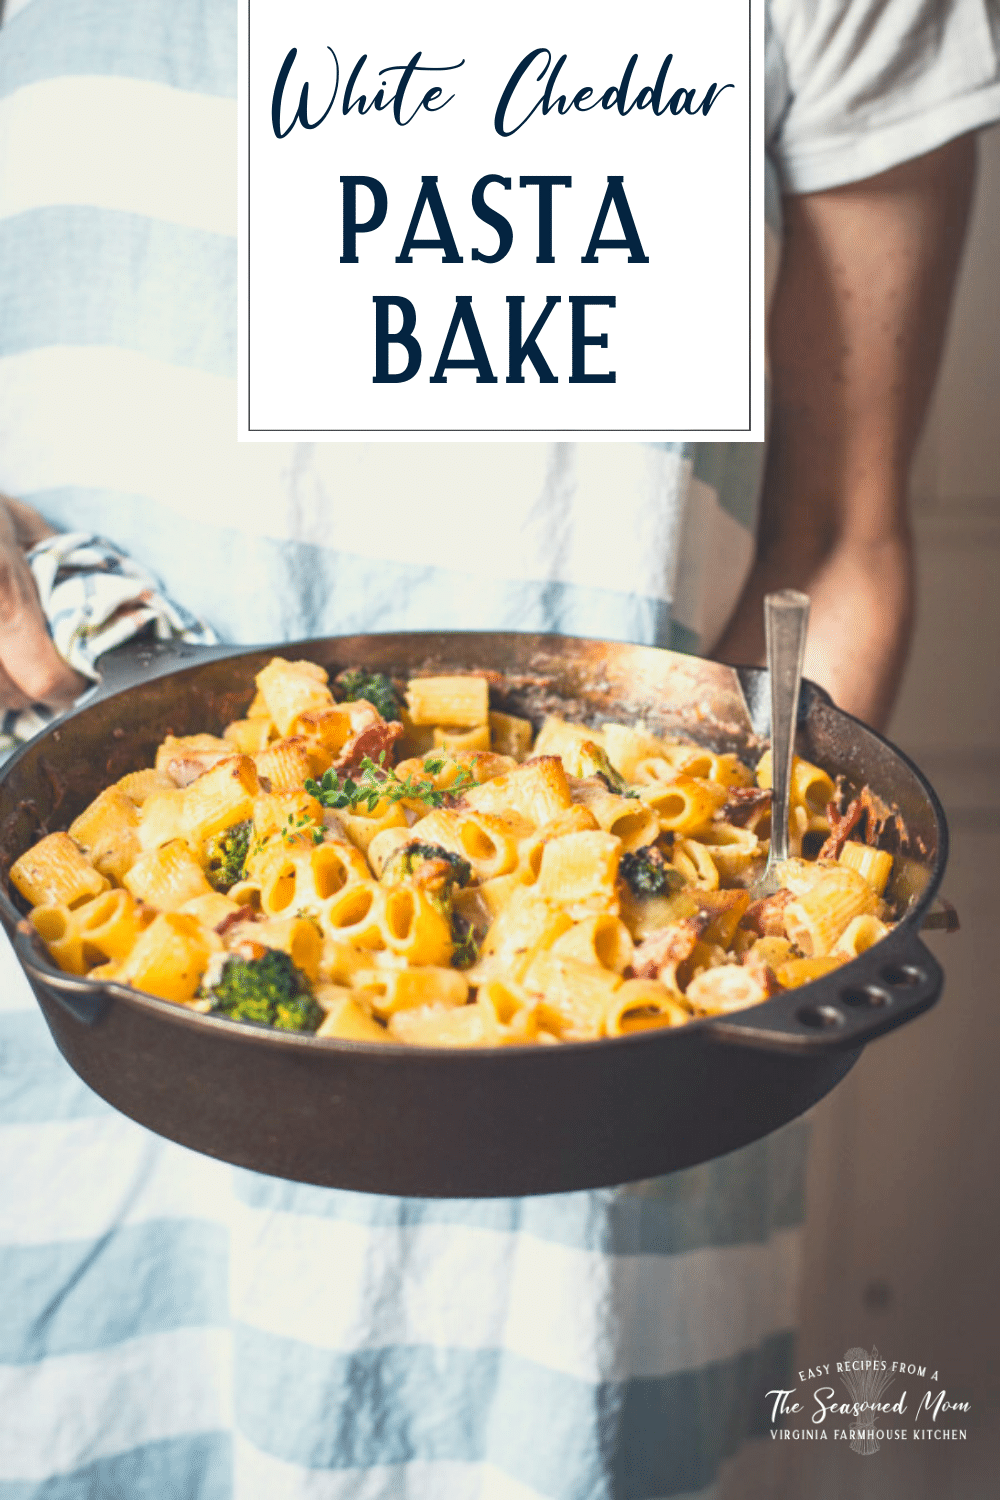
(141,660)
(85,1001)
(892,983)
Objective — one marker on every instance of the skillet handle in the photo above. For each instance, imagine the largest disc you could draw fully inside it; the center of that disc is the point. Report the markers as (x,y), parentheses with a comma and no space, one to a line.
(87,1003)
(140,660)
(892,983)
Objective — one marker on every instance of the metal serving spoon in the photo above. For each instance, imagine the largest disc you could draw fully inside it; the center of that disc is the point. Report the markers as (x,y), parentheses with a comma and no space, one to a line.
(786,616)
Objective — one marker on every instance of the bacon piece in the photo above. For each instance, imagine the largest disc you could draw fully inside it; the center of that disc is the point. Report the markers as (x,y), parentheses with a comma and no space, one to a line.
(250,950)
(184,769)
(372,741)
(767,917)
(762,973)
(842,825)
(743,802)
(879,815)
(668,947)
(241,914)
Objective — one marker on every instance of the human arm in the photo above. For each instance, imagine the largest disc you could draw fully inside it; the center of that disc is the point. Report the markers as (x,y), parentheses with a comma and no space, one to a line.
(855,337)
(31,669)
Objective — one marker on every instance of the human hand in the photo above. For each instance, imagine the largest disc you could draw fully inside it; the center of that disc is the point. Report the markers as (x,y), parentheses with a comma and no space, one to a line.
(31,669)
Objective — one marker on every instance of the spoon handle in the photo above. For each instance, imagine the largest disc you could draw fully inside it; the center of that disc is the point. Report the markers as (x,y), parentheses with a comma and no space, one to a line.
(786,615)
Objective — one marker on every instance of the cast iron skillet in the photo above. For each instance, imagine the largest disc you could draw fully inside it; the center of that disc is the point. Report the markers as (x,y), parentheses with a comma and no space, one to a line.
(443,1123)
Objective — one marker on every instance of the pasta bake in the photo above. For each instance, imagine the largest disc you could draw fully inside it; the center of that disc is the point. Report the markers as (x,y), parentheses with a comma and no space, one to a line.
(402,863)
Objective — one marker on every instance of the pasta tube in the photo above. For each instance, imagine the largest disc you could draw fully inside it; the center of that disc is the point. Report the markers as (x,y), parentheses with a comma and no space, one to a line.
(725,987)
(485,840)
(182,757)
(391,990)
(54,924)
(654,770)
(538,791)
(290,688)
(576,819)
(258,707)
(249,736)
(106,832)
(54,871)
(385,844)
(161,818)
(167,877)
(110,925)
(303,877)
(346,1018)
(581,869)
(137,785)
(685,806)
(446,1026)
(331,727)
(602,940)
(515,1012)
(510,735)
(816,920)
(644,1005)
(524,927)
(218,799)
(810,787)
(733,850)
(798,971)
(460,701)
(726,908)
(873,865)
(630,820)
(447,737)
(414,927)
(858,936)
(355,915)
(170,957)
(296,936)
(362,827)
(573,997)
(558,737)
(694,861)
(288,763)
(628,748)
(770,952)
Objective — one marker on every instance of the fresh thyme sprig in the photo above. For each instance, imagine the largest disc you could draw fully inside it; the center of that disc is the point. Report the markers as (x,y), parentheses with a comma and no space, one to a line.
(376,782)
(292,831)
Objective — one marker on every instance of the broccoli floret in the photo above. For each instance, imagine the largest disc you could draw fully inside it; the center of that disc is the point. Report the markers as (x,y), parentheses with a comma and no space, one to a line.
(437,872)
(407,860)
(374,687)
(646,873)
(269,991)
(592,760)
(463,935)
(226,855)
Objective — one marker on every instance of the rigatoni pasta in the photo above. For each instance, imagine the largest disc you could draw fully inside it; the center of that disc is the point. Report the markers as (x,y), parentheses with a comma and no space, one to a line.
(485,888)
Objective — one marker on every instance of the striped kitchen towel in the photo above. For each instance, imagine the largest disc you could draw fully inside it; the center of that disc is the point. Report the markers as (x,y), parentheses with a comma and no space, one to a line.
(94,598)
